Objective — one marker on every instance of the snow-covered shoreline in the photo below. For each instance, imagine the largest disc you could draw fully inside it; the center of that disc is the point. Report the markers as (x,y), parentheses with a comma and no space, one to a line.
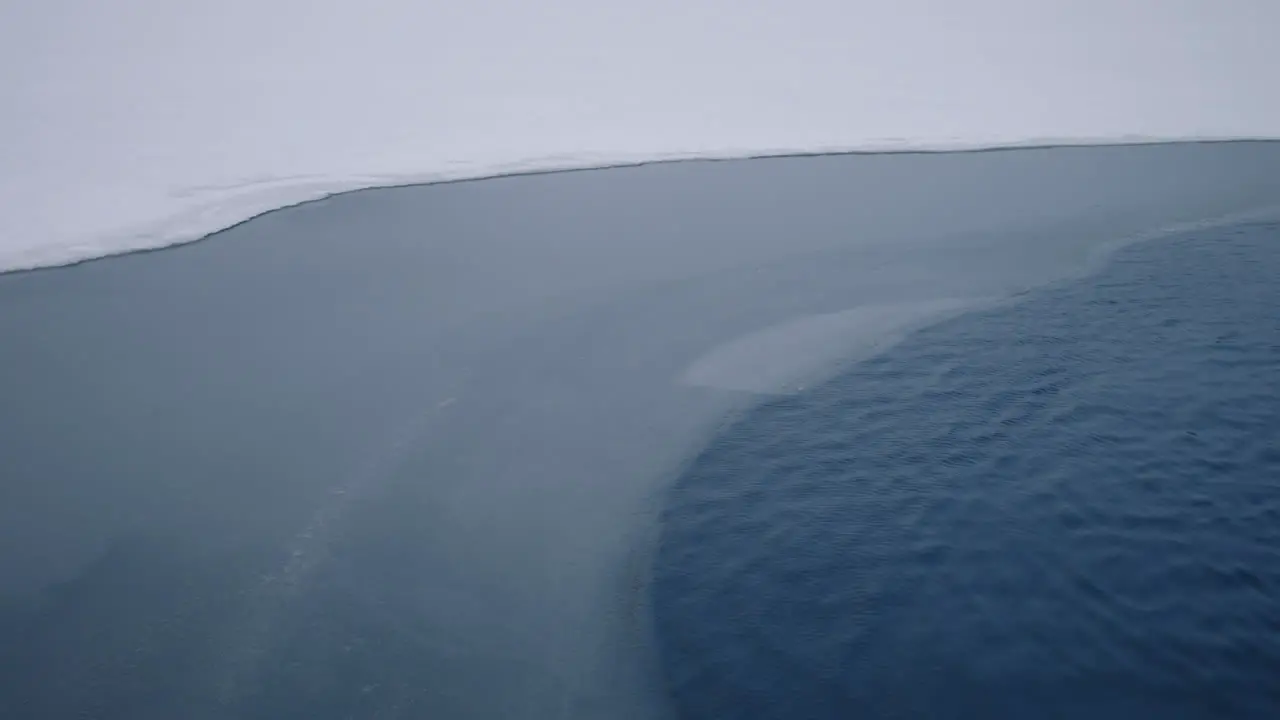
(140,124)
(193,213)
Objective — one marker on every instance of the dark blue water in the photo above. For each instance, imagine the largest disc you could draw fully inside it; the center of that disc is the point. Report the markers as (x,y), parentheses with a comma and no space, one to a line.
(1064,508)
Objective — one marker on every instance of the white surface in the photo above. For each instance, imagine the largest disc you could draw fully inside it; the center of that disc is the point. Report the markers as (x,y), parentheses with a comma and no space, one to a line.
(141,123)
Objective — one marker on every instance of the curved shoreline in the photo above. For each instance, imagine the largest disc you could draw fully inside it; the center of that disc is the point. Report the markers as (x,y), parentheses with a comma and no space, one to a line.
(69,256)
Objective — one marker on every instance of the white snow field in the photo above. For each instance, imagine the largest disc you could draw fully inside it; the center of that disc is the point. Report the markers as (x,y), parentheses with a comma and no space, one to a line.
(142,123)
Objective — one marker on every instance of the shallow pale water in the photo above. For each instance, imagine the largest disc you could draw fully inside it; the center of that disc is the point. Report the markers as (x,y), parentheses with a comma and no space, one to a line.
(1067,508)
(401,453)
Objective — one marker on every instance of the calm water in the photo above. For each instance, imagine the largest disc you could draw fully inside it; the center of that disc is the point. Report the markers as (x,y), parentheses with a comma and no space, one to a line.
(403,453)
(1065,508)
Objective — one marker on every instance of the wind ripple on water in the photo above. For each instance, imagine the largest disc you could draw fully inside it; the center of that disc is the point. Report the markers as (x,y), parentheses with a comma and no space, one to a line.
(1063,508)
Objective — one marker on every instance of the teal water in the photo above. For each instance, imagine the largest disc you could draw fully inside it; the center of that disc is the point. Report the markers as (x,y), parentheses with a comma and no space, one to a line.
(1068,508)
(404,453)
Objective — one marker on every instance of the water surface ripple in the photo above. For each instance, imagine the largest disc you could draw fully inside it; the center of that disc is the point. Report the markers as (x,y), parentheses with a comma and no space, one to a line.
(1068,508)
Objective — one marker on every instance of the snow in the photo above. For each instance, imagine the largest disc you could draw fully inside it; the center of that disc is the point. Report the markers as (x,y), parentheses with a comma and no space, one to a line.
(143,123)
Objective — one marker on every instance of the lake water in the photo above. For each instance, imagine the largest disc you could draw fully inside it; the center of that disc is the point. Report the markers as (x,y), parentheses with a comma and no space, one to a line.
(406,452)
(1068,508)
